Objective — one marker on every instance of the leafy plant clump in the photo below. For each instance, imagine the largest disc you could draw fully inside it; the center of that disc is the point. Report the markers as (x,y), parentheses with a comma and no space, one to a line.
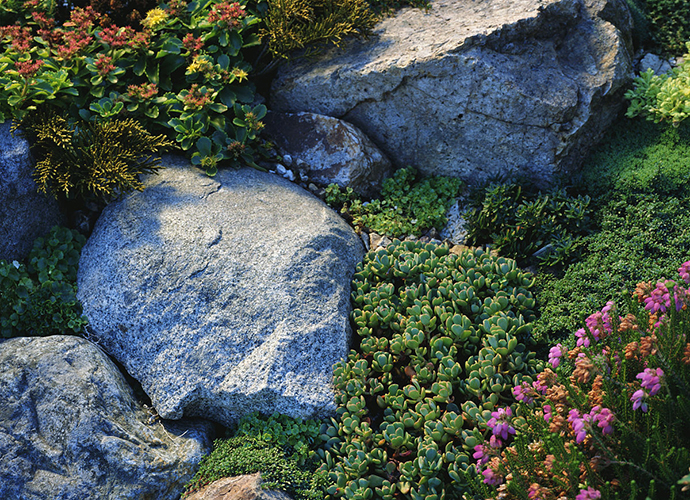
(39,297)
(183,73)
(91,160)
(639,236)
(546,227)
(408,205)
(609,421)
(281,448)
(662,97)
(442,339)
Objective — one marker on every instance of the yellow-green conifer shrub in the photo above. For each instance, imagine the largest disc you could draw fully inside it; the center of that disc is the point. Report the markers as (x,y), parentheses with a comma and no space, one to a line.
(91,160)
(296,24)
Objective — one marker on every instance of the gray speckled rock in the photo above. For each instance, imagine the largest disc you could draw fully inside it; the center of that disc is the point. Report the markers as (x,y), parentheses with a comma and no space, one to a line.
(329,150)
(222,295)
(476,88)
(70,428)
(25,214)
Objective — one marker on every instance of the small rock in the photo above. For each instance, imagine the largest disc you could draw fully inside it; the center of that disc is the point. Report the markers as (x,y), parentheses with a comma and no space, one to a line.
(247,487)
(385,242)
(375,240)
(289,175)
(365,240)
(546,250)
(281,169)
(655,63)
(287,159)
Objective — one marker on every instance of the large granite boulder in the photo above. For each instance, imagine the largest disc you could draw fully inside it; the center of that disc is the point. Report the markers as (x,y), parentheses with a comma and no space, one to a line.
(328,150)
(70,428)
(222,295)
(25,214)
(475,89)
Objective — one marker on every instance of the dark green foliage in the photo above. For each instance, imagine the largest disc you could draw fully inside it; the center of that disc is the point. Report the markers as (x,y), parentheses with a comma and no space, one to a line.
(409,204)
(518,223)
(279,447)
(92,160)
(641,238)
(669,24)
(38,298)
(641,35)
(442,342)
(639,156)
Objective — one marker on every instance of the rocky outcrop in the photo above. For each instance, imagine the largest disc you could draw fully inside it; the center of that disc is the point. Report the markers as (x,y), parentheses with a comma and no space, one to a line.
(247,487)
(327,150)
(70,428)
(222,295)
(475,89)
(25,214)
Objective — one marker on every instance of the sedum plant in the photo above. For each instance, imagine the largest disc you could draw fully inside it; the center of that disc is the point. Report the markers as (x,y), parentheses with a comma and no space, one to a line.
(183,73)
(39,297)
(609,418)
(91,160)
(442,339)
(408,204)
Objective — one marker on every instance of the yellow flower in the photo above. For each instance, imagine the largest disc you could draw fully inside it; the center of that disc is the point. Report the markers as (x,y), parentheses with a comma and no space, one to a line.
(240,74)
(155,18)
(200,64)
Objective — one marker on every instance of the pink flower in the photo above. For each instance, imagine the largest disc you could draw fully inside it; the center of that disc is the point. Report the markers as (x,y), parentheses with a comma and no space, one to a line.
(547,412)
(192,43)
(104,64)
(556,352)
(491,477)
(577,423)
(588,494)
(603,417)
(28,69)
(524,393)
(638,399)
(684,271)
(229,13)
(500,423)
(660,298)
(651,380)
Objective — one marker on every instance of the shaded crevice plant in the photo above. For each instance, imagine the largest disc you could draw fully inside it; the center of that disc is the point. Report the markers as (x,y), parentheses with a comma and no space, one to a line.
(409,204)
(38,297)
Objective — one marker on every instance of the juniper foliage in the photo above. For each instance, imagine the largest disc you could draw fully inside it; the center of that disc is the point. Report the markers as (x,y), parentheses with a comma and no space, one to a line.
(90,160)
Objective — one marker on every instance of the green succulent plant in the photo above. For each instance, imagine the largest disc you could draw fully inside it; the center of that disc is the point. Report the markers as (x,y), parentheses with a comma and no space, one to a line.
(441,339)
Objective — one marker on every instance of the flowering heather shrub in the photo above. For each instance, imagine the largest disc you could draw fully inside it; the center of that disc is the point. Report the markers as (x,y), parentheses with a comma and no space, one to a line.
(609,418)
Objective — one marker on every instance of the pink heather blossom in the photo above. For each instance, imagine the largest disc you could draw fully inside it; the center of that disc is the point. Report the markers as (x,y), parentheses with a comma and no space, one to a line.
(588,494)
(555,354)
(491,477)
(483,453)
(684,271)
(547,412)
(660,298)
(578,424)
(638,399)
(523,393)
(500,423)
(603,417)
(598,324)
(651,380)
